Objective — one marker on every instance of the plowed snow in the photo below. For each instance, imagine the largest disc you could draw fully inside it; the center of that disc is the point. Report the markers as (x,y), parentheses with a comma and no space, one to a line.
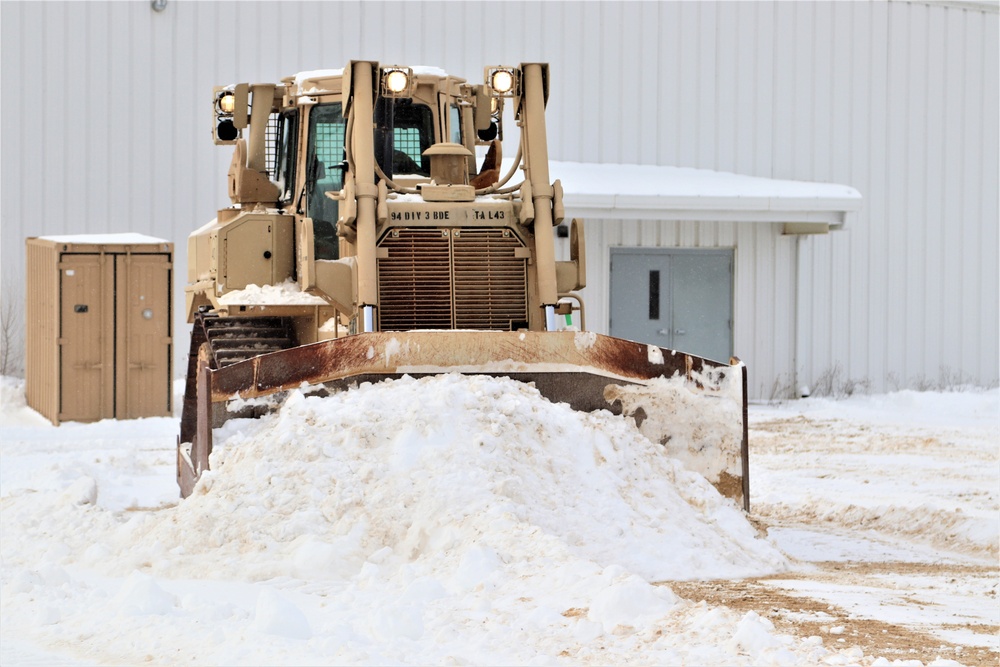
(449,519)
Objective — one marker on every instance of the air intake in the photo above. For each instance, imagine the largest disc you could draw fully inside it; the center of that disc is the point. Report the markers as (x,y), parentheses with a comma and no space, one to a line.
(466,278)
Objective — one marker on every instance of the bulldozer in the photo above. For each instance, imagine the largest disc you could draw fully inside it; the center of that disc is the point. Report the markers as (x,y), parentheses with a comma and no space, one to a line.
(375,231)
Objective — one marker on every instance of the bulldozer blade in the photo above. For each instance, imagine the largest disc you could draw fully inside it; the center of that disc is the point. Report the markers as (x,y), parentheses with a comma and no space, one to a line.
(694,407)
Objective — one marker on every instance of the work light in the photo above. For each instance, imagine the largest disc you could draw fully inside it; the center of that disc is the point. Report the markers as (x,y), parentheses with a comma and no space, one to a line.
(226,102)
(502,80)
(396,81)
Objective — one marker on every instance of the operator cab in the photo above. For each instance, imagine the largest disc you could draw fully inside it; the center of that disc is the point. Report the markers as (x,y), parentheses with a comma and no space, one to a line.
(429,108)
(404,129)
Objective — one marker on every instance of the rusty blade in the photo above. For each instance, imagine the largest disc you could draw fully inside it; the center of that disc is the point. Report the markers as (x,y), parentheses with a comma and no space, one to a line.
(586,370)
(426,352)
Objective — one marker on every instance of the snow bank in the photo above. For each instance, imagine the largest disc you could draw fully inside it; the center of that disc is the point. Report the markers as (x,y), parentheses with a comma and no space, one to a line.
(960,409)
(444,520)
(435,468)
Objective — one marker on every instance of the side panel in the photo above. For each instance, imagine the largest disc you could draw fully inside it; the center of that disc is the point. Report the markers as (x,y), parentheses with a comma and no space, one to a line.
(42,330)
(143,348)
(86,345)
(257,250)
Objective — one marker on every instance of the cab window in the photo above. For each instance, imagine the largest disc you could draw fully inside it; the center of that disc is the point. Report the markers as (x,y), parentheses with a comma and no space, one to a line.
(324,164)
(455,124)
(285,150)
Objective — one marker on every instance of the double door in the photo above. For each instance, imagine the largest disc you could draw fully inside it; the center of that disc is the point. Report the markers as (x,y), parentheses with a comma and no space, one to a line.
(677,298)
(114,340)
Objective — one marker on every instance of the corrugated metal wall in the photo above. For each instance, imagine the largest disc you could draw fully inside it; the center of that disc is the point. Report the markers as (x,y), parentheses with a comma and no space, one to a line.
(105,127)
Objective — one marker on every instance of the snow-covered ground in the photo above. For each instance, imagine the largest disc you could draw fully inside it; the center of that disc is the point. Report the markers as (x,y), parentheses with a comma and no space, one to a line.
(466,520)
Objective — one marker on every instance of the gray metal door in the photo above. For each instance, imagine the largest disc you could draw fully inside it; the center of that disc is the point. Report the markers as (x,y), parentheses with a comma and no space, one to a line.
(675,298)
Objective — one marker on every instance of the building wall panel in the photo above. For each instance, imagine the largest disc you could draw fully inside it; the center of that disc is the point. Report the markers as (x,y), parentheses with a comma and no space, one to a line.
(12,209)
(989,266)
(898,99)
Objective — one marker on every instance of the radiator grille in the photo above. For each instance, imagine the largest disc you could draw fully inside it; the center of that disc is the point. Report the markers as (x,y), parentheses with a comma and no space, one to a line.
(467,278)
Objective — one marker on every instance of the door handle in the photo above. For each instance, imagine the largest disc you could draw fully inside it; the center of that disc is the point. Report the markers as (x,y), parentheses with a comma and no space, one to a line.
(679,332)
(663,332)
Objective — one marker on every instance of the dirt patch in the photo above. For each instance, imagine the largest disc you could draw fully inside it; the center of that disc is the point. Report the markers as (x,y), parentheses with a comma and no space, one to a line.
(895,567)
(804,616)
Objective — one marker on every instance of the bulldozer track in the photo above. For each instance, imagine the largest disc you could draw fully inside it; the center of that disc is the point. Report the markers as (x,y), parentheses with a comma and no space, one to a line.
(230,340)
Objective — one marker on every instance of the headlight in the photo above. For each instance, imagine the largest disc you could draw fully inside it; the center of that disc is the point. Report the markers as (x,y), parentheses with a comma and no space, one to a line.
(396,81)
(502,80)
(226,103)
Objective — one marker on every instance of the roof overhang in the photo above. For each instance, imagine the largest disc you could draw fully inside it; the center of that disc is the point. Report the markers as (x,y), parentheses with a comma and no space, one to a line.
(650,192)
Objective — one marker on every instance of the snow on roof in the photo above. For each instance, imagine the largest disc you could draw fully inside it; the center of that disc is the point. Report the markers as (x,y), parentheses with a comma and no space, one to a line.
(104,239)
(419,70)
(317,74)
(679,193)
(327,73)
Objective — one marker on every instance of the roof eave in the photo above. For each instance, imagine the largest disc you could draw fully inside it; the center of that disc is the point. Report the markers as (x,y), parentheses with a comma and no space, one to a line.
(798,215)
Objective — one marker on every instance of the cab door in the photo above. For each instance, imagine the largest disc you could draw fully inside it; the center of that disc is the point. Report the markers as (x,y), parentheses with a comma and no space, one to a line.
(324,173)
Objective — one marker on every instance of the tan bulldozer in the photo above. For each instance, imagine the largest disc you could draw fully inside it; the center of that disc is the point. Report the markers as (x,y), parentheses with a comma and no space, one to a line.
(375,232)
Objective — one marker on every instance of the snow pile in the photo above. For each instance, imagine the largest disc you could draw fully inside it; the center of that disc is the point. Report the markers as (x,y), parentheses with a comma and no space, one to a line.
(505,479)
(14,407)
(287,293)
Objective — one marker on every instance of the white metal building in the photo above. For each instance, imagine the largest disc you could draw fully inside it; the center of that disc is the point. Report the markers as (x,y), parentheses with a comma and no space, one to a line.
(106,128)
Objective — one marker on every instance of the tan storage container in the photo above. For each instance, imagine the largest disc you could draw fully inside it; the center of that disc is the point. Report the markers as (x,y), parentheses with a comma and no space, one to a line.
(99,327)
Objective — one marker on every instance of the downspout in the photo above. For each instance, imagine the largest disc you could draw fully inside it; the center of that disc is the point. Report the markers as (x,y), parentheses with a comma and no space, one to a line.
(796,314)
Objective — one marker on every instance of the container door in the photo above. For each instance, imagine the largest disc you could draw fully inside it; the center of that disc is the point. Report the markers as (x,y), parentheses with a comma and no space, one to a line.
(86,345)
(143,333)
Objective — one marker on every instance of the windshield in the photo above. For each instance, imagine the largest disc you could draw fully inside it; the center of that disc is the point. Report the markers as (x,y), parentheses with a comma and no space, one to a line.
(412,133)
